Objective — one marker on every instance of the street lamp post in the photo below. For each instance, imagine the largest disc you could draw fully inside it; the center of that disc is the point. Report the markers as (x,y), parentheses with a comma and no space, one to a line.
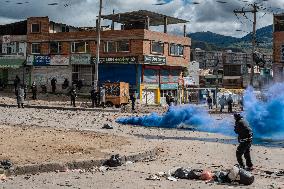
(98,33)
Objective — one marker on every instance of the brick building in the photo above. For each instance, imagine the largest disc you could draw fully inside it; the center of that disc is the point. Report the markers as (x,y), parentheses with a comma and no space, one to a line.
(278,47)
(152,62)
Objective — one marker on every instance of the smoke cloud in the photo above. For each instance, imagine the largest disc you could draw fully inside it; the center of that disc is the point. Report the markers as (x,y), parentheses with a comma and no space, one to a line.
(265,115)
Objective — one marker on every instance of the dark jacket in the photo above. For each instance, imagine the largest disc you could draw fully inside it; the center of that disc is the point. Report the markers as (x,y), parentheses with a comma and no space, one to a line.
(73,93)
(243,130)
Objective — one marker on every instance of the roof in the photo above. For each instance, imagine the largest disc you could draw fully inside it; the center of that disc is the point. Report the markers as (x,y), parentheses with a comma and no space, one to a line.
(156,19)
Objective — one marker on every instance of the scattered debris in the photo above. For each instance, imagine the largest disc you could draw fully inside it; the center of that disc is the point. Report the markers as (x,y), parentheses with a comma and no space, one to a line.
(182,173)
(107,126)
(114,161)
(6,164)
(153,177)
(170,178)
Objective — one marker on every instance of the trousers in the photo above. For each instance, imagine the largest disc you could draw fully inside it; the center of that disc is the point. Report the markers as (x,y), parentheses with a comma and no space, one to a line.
(244,149)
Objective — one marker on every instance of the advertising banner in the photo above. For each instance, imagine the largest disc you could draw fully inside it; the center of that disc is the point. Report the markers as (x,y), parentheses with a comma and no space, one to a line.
(59,60)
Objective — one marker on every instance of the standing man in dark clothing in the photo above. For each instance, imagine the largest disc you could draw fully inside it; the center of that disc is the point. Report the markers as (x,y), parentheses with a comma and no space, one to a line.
(209,101)
(230,104)
(94,97)
(34,91)
(73,96)
(17,82)
(245,139)
(133,99)
(53,85)
(168,99)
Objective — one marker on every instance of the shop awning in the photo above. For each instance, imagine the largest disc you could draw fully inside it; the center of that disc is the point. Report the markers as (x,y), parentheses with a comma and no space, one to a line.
(11,63)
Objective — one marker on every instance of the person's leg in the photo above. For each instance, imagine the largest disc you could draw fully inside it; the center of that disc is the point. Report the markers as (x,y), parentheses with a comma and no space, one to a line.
(239,153)
(247,156)
(22,105)
(19,105)
(93,103)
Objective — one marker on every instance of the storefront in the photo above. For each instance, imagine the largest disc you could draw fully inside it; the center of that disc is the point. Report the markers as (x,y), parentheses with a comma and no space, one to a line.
(82,70)
(10,67)
(45,68)
(120,69)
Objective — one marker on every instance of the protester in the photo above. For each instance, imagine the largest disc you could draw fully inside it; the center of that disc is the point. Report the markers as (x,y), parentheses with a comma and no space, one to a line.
(34,90)
(73,96)
(169,99)
(25,90)
(209,101)
(230,103)
(79,84)
(20,96)
(102,96)
(222,102)
(65,84)
(245,134)
(53,85)
(242,103)
(133,100)
(17,82)
(94,96)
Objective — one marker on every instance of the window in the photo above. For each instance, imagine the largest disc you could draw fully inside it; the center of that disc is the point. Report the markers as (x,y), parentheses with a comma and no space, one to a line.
(64,28)
(55,48)
(35,28)
(79,47)
(9,50)
(157,47)
(109,46)
(123,46)
(35,48)
(176,50)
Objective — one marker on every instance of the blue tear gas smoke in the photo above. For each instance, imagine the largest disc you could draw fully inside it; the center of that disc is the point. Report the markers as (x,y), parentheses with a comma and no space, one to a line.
(184,115)
(265,113)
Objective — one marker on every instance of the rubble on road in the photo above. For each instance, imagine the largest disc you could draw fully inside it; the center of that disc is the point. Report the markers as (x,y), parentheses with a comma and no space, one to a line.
(107,126)
(235,175)
(114,161)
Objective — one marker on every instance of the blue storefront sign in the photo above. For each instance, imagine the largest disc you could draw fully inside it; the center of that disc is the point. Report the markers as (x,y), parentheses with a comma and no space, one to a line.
(41,61)
(169,86)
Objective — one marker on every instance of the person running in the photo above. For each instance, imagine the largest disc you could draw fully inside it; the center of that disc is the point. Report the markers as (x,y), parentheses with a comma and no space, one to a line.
(244,132)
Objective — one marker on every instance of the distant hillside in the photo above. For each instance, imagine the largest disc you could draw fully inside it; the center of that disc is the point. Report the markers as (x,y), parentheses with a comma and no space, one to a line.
(212,41)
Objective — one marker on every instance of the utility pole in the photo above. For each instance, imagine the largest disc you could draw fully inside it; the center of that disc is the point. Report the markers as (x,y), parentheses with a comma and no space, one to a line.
(254,11)
(98,29)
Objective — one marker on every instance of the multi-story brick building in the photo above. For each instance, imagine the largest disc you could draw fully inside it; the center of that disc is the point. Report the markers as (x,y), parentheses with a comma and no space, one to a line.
(12,52)
(278,47)
(152,62)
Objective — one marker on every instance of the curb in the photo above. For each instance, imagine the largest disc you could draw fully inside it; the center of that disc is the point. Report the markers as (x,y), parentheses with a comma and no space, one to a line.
(78,164)
(62,108)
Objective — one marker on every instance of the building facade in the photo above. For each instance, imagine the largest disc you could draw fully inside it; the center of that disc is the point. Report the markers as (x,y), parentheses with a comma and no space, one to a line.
(151,62)
(278,47)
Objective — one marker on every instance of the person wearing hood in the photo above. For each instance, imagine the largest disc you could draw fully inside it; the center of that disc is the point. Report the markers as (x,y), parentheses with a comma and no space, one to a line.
(222,102)
(244,132)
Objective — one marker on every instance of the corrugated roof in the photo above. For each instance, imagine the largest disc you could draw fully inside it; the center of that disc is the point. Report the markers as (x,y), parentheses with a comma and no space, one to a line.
(156,19)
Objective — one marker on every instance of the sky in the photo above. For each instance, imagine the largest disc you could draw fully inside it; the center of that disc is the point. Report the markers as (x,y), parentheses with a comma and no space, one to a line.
(203,15)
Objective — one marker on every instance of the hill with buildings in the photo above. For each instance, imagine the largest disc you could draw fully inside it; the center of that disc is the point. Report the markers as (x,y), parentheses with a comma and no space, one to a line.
(212,41)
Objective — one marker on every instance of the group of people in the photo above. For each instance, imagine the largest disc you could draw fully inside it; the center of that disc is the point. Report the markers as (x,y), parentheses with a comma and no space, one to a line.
(222,102)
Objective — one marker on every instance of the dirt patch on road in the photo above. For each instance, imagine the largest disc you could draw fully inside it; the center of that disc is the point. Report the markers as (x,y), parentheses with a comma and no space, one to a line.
(33,145)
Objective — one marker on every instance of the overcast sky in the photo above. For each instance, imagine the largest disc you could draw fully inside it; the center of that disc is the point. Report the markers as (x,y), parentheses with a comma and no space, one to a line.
(203,15)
